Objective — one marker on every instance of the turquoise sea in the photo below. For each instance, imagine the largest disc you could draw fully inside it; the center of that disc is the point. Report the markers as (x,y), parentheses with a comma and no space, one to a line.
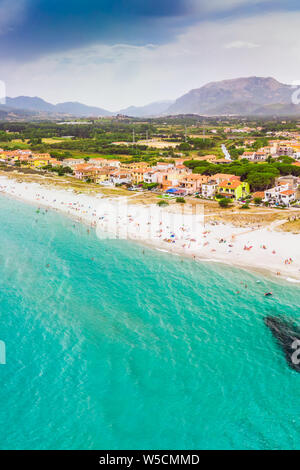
(114,346)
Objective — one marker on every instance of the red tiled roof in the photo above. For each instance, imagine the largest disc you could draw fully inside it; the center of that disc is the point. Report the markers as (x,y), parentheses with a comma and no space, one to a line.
(259,194)
(230,184)
(288,192)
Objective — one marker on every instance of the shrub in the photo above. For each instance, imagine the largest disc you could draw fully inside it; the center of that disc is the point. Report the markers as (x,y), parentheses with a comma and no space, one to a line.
(149,186)
(180,200)
(257,201)
(162,203)
(224,202)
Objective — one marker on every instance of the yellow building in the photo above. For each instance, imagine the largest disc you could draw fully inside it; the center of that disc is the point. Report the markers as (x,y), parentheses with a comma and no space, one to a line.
(101,176)
(39,163)
(133,166)
(137,175)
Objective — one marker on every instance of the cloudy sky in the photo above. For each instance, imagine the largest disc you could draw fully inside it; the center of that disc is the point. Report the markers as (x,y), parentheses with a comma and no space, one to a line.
(116,53)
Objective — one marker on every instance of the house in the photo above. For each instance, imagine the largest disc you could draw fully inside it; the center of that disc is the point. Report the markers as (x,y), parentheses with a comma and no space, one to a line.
(280,195)
(193,183)
(258,194)
(209,189)
(98,162)
(84,172)
(120,177)
(42,156)
(114,163)
(163,181)
(103,162)
(250,156)
(102,175)
(133,166)
(270,149)
(261,156)
(296,154)
(219,177)
(72,162)
(272,194)
(150,177)
(285,150)
(40,162)
(290,180)
(163,166)
(180,161)
(137,175)
(287,197)
(206,158)
(55,162)
(234,189)
(171,177)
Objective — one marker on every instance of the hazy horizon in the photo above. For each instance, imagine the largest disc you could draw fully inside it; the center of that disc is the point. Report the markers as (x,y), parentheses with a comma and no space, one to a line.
(111,55)
(119,109)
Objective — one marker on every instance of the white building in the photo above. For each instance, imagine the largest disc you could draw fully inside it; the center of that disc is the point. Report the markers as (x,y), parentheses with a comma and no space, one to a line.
(280,195)
(209,189)
(120,177)
(287,197)
(150,177)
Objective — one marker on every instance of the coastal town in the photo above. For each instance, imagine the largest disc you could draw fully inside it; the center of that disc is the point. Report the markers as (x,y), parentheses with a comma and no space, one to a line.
(177,175)
(224,194)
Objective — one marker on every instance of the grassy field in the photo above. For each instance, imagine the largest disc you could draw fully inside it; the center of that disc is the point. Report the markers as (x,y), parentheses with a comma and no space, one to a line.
(15,143)
(51,140)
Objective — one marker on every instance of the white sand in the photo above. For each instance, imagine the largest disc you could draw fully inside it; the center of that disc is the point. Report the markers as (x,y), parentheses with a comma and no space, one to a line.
(170,231)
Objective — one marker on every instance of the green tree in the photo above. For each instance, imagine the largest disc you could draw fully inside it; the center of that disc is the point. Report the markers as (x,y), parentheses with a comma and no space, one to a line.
(260,181)
(224,203)
(257,201)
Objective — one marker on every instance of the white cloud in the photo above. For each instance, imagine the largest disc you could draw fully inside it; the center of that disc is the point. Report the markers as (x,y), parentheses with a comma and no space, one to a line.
(117,76)
(214,6)
(240,45)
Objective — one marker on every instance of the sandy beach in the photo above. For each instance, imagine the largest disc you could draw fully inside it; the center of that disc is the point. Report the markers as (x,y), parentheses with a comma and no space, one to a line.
(174,229)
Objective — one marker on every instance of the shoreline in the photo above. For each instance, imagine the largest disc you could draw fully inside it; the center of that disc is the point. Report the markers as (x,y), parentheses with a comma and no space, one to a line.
(180,233)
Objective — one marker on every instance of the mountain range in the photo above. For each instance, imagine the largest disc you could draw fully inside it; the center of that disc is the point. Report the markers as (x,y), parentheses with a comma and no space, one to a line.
(158,108)
(39,105)
(241,96)
(256,96)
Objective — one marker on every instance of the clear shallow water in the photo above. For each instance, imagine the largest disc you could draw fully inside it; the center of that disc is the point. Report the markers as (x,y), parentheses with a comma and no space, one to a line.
(135,350)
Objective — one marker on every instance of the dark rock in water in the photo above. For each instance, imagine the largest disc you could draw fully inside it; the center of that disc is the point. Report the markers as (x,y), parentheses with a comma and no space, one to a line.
(287,335)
